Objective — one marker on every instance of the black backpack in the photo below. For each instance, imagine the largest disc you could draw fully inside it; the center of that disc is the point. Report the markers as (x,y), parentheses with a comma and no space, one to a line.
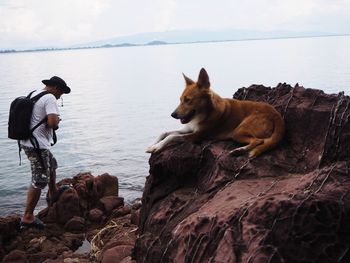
(20,115)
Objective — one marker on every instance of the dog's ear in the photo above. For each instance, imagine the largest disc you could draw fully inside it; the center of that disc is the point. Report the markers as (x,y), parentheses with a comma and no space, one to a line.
(203,80)
(188,80)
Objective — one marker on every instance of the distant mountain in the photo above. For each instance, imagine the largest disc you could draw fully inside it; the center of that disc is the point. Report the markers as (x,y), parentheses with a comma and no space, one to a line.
(156,42)
(184,36)
(190,36)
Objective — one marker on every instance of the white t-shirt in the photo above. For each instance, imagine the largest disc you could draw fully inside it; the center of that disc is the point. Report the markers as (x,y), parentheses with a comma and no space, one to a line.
(47,104)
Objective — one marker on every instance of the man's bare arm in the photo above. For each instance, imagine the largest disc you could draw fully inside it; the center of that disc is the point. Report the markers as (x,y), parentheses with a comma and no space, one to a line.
(53,120)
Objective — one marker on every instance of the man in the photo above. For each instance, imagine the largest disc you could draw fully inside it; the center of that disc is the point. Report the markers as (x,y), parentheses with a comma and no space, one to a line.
(46,106)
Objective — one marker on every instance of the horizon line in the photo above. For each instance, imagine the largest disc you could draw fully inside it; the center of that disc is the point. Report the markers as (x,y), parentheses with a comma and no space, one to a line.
(159,42)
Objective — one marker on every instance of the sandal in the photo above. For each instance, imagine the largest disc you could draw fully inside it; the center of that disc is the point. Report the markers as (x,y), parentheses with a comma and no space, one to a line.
(37,223)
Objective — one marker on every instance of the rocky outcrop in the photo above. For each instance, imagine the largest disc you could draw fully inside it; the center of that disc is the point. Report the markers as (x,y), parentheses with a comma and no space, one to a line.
(88,223)
(291,204)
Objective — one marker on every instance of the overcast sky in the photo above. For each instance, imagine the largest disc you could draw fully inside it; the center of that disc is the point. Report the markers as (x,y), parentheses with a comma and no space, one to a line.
(34,23)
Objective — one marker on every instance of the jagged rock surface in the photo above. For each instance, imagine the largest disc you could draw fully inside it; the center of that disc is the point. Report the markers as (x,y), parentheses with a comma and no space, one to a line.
(291,204)
(89,211)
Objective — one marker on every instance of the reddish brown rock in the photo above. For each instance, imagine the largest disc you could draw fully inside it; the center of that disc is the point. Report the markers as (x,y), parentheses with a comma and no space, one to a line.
(106,185)
(291,204)
(41,256)
(16,256)
(90,188)
(116,254)
(75,224)
(95,215)
(71,223)
(85,193)
(83,184)
(72,240)
(109,203)
(68,206)
(7,225)
(121,211)
(8,231)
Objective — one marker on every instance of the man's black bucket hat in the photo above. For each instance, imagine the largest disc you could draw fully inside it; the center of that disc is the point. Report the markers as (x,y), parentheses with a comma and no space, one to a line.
(57,81)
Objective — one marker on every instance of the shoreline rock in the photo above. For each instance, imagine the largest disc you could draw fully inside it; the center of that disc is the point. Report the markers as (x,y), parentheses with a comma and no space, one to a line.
(291,204)
(90,211)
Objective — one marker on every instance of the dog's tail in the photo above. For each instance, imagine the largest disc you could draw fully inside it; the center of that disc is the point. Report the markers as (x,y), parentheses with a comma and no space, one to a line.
(275,138)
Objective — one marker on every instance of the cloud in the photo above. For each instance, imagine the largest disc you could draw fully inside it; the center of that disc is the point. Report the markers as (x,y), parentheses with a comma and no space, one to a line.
(164,14)
(135,16)
(35,23)
(42,22)
(295,15)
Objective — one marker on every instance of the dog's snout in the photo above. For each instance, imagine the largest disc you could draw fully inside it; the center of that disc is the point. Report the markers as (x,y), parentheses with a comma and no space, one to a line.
(174,115)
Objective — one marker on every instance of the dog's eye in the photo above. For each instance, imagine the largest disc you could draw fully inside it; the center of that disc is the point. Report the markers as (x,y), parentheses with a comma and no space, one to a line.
(187,100)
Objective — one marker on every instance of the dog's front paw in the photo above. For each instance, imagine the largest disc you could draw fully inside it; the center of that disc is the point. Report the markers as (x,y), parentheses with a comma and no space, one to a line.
(150,149)
(161,137)
(153,148)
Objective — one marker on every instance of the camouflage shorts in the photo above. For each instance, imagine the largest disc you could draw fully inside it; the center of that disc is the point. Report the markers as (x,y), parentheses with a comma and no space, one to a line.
(40,175)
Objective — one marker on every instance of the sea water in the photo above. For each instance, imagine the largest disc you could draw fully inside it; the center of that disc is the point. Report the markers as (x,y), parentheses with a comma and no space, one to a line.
(122,98)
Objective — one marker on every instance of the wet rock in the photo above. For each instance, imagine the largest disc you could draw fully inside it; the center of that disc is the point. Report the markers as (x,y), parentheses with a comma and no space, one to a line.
(95,215)
(291,204)
(75,224)
(41,256)
(116,254)
(72,258)
(9,229)
(68,206)
(122,211)
(106,185)
(83,184)
(16,256)
(127,260)
(109,203)
(73,240)
(71,221)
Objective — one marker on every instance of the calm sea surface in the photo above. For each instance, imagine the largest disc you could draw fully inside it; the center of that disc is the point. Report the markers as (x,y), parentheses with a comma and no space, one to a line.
(122,98)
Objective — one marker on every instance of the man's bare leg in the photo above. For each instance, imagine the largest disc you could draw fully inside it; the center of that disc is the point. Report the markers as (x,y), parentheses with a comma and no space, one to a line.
(53,191)
(33,196)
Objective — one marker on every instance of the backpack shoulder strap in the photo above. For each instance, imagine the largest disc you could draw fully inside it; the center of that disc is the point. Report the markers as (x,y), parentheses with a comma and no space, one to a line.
(39,123)
(37,97)
(30,94)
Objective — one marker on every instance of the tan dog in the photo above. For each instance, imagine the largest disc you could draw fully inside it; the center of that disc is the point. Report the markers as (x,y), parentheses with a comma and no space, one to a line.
(208,116)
